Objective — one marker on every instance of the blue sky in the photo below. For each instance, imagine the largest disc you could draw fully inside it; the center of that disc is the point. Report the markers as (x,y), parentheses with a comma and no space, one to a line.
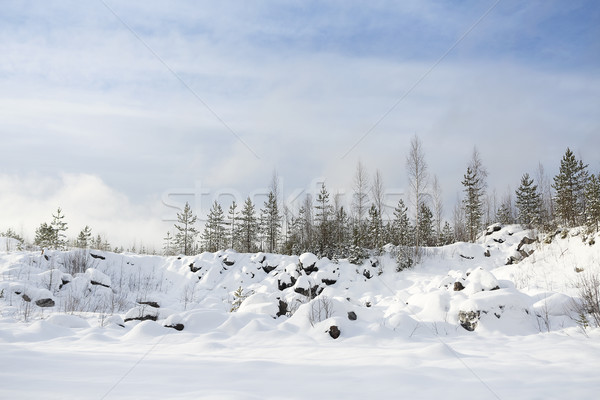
(88,112)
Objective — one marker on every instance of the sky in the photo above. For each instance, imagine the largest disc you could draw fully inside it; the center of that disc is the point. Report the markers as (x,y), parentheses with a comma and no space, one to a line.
(119,112)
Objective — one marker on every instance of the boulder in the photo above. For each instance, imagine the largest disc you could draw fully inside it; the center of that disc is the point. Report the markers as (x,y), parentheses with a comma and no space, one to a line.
(177,327)
(352,316)
(283,308)
(47,302)
(193,268)
(228,262)
(308,262)
(149,303)
(468,319)
(458,286)
(334,331)
(97,256)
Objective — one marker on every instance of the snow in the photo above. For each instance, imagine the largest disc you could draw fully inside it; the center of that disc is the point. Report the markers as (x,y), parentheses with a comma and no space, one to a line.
(406,339)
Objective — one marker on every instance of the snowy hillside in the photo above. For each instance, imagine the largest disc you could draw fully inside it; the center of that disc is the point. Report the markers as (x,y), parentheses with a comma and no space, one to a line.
(492,319)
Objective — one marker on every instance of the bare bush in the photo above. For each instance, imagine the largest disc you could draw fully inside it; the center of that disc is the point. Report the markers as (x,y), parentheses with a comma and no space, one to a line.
(77,261)
(587,309)
(321,308)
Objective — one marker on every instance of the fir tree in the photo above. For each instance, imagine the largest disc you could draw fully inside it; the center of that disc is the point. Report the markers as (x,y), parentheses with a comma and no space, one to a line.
(322,216)
(447,234)
(528,202)
(233,217)
(472,203)
(592,196)
(214,230)
(186,232)
(248,227)
(375,234)
(504,213)
(59,227)
(401,225)
(426,227)
(271,222)
(569,185)
(44,236)
(84,240)
(169,245)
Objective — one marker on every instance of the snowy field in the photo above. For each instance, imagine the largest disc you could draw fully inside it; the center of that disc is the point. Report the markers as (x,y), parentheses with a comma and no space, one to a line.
(461,324)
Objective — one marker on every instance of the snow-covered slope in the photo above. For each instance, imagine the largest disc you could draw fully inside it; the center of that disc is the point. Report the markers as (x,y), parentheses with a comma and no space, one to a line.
(488,312)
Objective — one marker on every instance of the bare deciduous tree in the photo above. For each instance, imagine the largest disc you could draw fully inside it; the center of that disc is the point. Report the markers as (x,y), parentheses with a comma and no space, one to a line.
(418,180)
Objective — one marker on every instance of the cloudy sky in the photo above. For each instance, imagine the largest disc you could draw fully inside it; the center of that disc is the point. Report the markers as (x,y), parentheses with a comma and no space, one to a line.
(120,111)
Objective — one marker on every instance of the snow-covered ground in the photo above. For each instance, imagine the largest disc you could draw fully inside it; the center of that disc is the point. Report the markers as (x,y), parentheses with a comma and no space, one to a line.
(461,324)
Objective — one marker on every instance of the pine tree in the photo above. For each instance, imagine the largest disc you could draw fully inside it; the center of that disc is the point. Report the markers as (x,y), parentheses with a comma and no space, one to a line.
(592,196)
(569,185)
(248,227)
(84,240)
(271,222)
(169,245)
(213,237)
(472,204)
(341,232)
(447,234)
(186,232)
(375,234)
(44,236)
(504,214)
(60,227)
(426,227)
(233,218)
(322,216)
(528,202)
(401,225)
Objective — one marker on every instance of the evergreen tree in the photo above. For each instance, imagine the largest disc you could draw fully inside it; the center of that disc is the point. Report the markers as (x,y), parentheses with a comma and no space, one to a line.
(186,232)
(592,196)
(528,202)
(271,222)
(322,215)
(248,227)
(569,185)
(341,232)
(472,204)
(504,213)
(426,227)
(214,230)
(44,236)
(169,245)
(84,240)
(375,234)
(60,227)
(401,225)
(233,217)
(447,234)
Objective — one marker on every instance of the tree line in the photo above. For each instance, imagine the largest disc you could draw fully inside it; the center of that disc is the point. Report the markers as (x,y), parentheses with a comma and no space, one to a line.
(324,226)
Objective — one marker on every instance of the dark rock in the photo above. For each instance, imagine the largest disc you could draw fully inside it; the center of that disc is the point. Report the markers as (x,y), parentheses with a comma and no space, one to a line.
(487,253)
(374,263)
(194,269)
(328,282)
(467,257)
(352,316)
(99,284)
(368,304)
(310,269)
(284,285)
(268,268)
(458,286)
(149,303)
(98,256)
(525,241)
(499,241)
(262,259)
(334,331)
(228,262)
(492,229)
(46,257)
(142,318)
(44,303)
(283,308)
(367,274)
(177,327)
(468,319)
(495,288)
(25,297)
(179,258)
